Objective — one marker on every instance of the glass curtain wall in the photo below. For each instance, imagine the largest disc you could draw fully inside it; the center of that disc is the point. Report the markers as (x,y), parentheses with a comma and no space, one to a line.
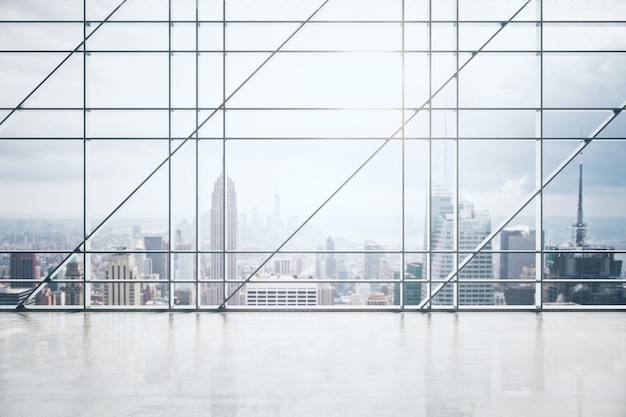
(320,154)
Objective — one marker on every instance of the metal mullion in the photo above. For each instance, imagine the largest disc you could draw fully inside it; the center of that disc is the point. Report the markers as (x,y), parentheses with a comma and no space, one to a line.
(224,182)
(403,170)
(457,245)
(169,160)
(86,223)
(429,190)
(539,177)
(197,230)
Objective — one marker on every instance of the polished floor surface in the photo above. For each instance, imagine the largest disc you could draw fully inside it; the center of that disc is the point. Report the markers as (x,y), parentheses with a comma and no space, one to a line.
(312,364)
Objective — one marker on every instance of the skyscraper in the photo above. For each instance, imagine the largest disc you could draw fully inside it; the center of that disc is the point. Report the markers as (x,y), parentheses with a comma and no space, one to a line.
(23,266)
(224,232)
(371,264)
(582,260)
(74,293)
(121,267)
(159,260)
(473,227)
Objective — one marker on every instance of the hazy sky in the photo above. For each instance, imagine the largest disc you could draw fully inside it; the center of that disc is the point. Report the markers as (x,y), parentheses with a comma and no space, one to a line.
(43,178)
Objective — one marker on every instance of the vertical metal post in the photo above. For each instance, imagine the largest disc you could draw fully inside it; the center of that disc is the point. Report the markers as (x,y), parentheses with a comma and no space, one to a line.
(197,254)
(224,218)
(170,240)
(86,223)
(429,190)
(403,254)
(457,246)
(539,244)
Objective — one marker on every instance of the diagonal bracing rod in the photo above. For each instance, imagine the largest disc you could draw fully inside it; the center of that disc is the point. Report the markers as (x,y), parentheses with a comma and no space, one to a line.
(387,140)
(452,275)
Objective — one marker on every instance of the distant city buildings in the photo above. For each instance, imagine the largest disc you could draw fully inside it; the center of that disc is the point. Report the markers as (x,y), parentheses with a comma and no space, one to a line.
(23,266)
(74,292)
(122,269)
(288,291)
(473,227)
(224,236)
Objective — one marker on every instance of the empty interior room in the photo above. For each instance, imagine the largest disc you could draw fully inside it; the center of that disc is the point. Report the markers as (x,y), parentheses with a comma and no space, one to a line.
(313,207)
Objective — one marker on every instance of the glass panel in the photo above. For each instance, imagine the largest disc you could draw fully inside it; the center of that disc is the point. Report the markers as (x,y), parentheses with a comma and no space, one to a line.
(129,37)
(345,37)
(313,124)
(443,36)
(443,10)
(23,72)
(36,10)
(513,81)
(127,124)
(601,214)
(573,124)
(117,168)
(361,10)
(416,36)
(584,36)
(210,80)
(514,37)
(183,37)
(43,179)
(583,293)
(183,194)
(183,79)
(497,124)
(487,10)
(128,80)
(493,184)
(40,36)
(415,193)
(316,80)
(583,80)
(584,10)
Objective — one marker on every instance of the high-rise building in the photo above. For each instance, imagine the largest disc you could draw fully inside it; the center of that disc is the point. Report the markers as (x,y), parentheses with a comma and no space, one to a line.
(412,283)
(473,227)
(512,264)
(224,234)
(371,264)
(159,260)
(282,267)
(331,264)
(288,291)
(74,292)
(121,267)
(23,266)
(518,265)
(582,260)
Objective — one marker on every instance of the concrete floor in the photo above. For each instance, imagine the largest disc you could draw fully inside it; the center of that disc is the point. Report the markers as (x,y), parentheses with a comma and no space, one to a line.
(312,364)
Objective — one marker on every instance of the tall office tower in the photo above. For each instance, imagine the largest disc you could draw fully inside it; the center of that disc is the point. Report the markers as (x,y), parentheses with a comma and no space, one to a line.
(518,265)
(74,292)
(159,260)
(331,265)
(590,261)
(288,291)
(412,283)
(224,233)
(23,266)
(512,264)
(121,267)
(282,267)
(473,227)
(371,264)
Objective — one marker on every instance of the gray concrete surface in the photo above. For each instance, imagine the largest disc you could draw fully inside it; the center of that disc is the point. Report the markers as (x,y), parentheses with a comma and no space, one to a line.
(312,364)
